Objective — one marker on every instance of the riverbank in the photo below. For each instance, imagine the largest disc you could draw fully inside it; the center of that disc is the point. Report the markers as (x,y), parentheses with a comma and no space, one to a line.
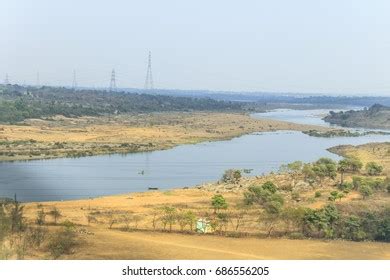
(378,152)
(86,136)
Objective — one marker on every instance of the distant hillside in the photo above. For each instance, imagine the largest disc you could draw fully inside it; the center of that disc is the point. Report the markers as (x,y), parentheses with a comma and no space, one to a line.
(18,103)
(377,116)
(271,98)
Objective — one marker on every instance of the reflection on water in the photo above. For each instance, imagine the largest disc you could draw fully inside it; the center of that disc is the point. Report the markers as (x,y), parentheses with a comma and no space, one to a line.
(185,165)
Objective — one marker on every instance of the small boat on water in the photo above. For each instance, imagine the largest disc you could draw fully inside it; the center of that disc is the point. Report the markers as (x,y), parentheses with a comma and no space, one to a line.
(152,189)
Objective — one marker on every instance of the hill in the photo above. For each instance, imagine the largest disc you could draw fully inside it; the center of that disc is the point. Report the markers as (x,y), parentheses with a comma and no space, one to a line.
(377,116)
(18,103)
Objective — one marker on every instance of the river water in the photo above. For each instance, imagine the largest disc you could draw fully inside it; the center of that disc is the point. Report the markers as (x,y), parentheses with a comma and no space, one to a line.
(186,165)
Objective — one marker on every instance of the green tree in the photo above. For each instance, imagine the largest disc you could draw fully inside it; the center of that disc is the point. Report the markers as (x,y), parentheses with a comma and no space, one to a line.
(218,202)
(350,228)
(293,168)
(169,217)
(365,191)
(373,169)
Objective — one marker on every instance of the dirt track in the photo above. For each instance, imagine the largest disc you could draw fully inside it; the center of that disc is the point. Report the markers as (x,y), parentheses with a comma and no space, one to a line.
(142,245)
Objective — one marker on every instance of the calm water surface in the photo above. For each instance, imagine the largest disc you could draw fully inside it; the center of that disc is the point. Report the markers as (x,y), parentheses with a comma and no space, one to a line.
(74,178)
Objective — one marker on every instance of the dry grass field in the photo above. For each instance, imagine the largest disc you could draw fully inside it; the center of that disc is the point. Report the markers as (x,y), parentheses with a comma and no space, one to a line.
(378,152)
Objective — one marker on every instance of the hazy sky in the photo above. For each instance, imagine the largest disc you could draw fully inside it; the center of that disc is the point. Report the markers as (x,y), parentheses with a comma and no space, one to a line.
(319,46)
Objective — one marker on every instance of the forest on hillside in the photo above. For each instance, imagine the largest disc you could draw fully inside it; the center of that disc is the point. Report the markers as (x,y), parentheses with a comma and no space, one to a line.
(18,103)
(377,116)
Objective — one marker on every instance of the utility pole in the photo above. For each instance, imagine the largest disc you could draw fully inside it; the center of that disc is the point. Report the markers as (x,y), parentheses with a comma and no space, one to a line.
(149,75)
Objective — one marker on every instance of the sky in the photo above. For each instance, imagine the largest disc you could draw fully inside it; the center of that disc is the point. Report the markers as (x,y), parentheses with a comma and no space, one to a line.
(305,46)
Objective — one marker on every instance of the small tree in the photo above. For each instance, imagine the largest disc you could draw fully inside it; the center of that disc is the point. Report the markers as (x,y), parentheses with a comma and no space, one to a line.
(373,169)
(55,213)
(41,215)
(365,191)
(294,168)
(231,176)
(191,219)
(237,219)
(186,218)
(112,219)
(16,216)
(155,217)
(308,173)
(218,202)
(169,217)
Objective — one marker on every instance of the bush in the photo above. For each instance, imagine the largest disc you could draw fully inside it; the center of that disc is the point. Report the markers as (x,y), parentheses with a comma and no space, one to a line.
(350,228)
(365,191)
(386,184)
(36,235)
(296,235)
(295,196)
(231,176)
(218,202)
(62,242)
(317,194)
(169,217)
(373,169)
(41,215)
(345,187)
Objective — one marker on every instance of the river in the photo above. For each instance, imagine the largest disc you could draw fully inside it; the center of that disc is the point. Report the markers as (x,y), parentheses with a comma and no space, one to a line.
(186,165)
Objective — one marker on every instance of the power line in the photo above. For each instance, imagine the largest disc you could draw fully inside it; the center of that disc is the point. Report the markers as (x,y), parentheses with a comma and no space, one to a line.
(149,76)
(113,82)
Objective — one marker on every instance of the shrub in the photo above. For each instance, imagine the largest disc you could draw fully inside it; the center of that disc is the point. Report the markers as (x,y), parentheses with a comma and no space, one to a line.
(55,213)
(36,235)
(231,176)
(365,191)
(296,235)
(169,217)
(41,215)
(350,228)
(218,202)
(295,196)
(373,169)
(62,241)
(317,194)
(345,187)
(387,185)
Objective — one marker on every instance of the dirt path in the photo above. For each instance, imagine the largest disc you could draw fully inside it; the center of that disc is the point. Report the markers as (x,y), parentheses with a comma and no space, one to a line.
(111,244)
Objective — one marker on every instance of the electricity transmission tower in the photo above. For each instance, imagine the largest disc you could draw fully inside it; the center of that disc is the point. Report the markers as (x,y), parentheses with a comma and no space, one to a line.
(113,82)
(149,76)
(74,83)
(38,82)
(6,80)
